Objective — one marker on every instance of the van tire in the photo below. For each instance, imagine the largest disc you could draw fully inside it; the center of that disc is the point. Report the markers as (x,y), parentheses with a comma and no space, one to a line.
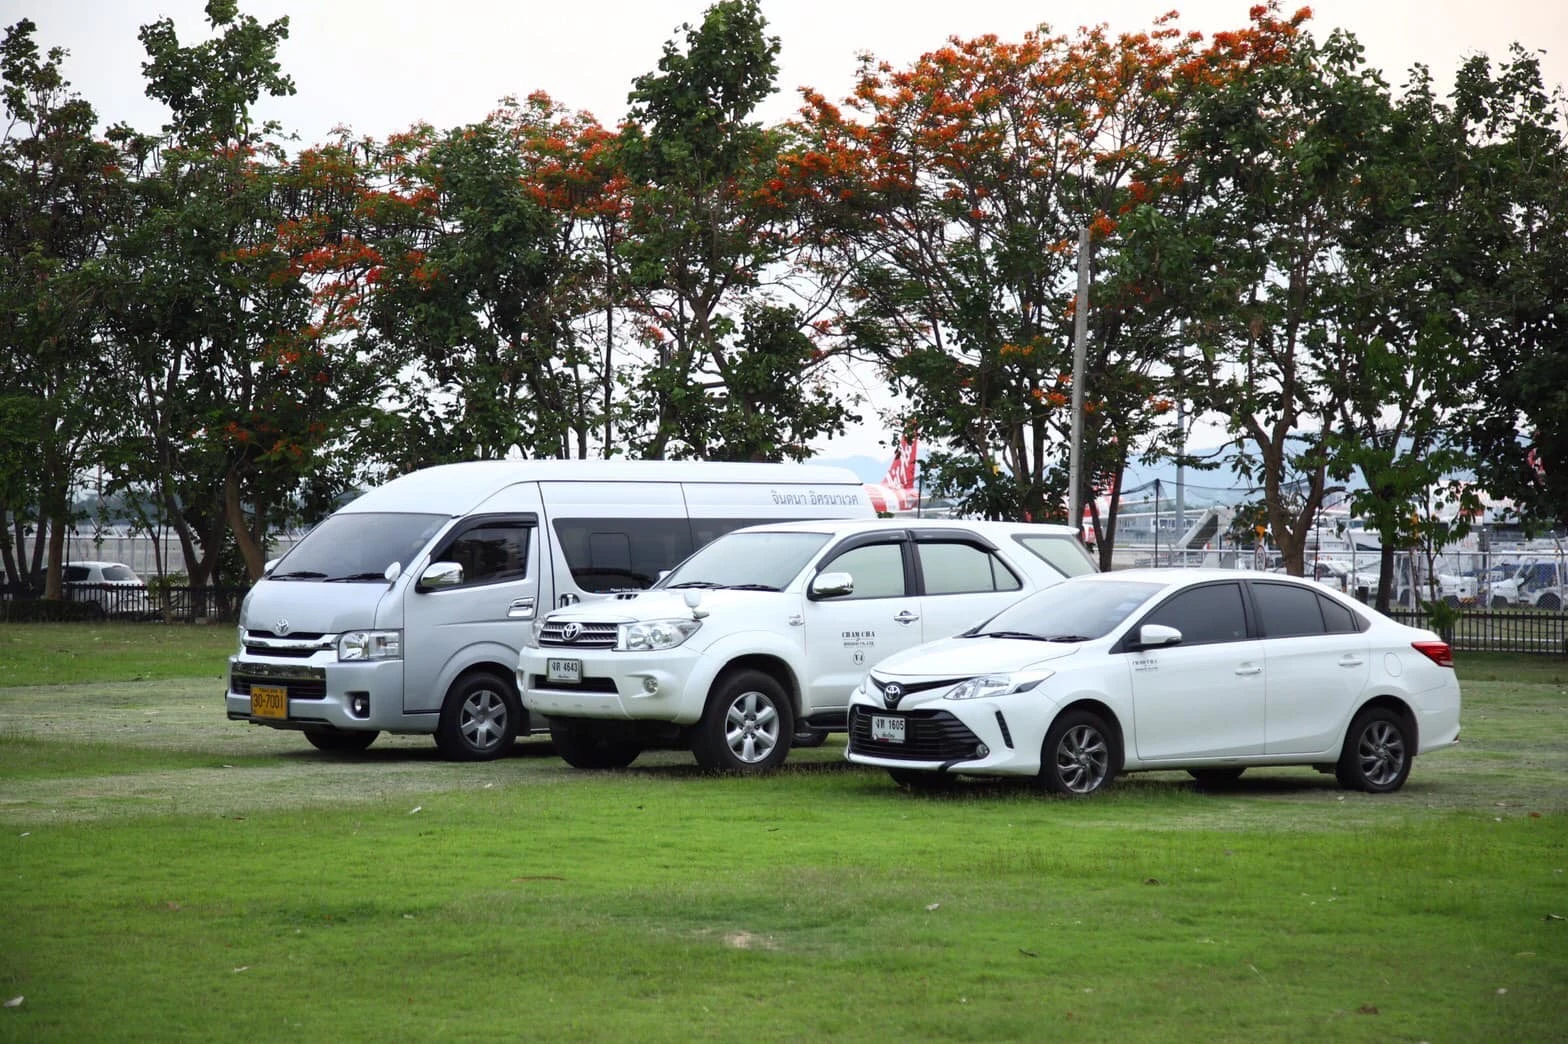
(747,727)
(479,718)
(585,745)
(335,741)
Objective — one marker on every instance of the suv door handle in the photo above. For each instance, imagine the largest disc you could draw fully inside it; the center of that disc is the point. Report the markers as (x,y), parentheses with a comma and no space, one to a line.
(907,617)
(521,609)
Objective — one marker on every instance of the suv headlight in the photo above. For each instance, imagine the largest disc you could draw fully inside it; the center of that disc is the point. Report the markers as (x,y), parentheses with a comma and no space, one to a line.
(651,635)
(996,685)
(371,645)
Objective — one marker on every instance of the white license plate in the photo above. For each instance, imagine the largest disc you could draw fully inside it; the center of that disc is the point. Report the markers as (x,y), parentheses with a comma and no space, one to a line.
(567,671)
(887,730)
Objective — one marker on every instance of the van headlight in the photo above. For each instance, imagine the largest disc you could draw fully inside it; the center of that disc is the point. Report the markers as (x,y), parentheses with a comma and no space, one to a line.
(652,635)
(371,645)
(996,685)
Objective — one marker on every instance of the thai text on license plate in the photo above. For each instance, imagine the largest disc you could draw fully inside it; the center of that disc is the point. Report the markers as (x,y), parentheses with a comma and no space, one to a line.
(887,730)
(269,701)
(568,671)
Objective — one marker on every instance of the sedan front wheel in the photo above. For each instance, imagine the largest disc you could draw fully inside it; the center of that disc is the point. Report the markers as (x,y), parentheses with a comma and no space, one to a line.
(1079,755)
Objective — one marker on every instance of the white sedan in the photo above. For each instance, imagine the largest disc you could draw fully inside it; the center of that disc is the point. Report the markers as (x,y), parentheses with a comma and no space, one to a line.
(1211,671)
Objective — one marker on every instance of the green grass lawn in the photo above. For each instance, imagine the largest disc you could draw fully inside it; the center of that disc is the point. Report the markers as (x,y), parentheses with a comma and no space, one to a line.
(172,875)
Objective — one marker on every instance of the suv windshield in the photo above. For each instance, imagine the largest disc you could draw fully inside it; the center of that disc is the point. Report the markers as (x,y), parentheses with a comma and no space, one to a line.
(757,560)
(358,546)
(1080,610)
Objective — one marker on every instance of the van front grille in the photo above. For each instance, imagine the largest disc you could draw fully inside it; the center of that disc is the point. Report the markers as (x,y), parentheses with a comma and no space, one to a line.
(303,683)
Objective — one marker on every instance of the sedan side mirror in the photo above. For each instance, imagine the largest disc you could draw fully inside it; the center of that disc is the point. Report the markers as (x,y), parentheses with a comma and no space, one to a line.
(441,574)
(832,585)
(1153,636)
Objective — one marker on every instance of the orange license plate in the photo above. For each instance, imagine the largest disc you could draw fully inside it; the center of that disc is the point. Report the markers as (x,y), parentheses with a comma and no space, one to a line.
(269,701)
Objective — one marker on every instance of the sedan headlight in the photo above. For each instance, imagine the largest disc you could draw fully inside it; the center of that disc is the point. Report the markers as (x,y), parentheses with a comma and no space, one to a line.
(371,645)
(652,635)
(996,685)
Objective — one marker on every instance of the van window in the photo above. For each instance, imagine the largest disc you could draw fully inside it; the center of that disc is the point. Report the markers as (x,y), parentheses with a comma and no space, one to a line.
(618,554)
(1065,554)
(950,567)
(614,554)
(358,545)
(491,552)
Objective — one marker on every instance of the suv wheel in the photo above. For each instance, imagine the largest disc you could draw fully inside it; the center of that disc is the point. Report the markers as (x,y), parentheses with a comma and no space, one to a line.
(747,727)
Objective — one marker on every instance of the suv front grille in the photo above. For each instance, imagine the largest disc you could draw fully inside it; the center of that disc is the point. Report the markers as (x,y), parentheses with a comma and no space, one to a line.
(590,635)
(929,735)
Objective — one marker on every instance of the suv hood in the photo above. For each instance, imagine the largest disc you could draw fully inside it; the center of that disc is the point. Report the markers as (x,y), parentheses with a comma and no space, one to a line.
(313,608)
(659,605)
(966,657)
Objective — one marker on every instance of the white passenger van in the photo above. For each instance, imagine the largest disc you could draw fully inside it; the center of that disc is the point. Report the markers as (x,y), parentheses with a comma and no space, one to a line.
(405,610)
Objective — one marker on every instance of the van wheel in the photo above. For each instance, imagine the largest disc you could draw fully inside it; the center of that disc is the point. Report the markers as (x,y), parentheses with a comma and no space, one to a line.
(335,742)
(747,727)
(479,719)
(586,745)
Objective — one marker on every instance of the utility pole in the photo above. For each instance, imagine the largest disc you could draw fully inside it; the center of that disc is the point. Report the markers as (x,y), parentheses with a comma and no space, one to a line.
(1080,341)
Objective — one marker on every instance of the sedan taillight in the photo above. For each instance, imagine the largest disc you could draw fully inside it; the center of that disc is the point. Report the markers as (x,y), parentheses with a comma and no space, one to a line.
(1438,652)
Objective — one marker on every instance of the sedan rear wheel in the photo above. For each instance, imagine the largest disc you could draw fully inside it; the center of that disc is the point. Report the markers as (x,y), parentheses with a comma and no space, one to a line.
(1377,752)
(1079,755)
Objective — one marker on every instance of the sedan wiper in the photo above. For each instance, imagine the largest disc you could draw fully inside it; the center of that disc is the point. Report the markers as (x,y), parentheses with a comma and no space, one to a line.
(751,587)
(299,574)
(1068,638)
(705,584)
(1025,635)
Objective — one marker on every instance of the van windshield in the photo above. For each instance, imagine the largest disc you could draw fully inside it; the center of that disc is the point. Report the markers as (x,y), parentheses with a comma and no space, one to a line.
(754,560)
(358,546)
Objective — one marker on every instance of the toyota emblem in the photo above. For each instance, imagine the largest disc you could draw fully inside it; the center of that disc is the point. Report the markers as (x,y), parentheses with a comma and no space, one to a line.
(281,627)
(892,694)
(569,632)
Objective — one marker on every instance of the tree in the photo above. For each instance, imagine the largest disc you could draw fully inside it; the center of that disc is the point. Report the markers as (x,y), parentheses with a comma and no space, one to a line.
(61,192)
(733,369)
(237,301)
(1276,161)
(954,208)
(1511,247)
(486,282)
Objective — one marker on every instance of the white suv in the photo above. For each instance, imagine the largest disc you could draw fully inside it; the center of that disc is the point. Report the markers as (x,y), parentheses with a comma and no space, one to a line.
(762,635)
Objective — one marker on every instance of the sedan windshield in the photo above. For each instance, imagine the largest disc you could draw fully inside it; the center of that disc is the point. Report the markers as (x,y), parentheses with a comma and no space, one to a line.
(358,546)
(1072,612)
(754,561)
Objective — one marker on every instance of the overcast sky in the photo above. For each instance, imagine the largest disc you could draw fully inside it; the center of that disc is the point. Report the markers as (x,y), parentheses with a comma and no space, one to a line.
(378,66)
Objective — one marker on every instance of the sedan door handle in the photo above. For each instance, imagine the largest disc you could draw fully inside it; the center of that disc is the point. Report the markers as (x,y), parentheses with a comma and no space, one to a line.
(1247,670)
(1351,661)
(907,617)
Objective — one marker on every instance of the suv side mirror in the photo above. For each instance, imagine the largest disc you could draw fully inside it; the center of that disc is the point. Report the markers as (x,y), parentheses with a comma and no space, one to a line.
(832,585)
(441,574)
(1154,636)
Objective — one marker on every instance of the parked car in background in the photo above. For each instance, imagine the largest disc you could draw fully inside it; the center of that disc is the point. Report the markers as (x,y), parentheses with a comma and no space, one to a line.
(1538,583)
(761,636)
(112,587)
(1210,671)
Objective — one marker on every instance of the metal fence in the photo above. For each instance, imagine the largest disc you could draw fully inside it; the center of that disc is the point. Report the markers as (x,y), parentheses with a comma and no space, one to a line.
(1498,630)
(159,602)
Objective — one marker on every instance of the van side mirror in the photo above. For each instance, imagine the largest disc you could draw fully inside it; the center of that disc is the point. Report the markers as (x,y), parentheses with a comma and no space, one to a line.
(832,585)
(1154,636)
(441,574)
